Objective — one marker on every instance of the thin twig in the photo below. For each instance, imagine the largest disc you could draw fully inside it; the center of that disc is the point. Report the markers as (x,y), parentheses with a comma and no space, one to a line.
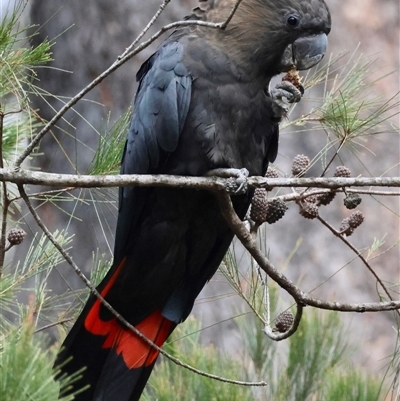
(44,193)
(240,292)
(359,255)
(53,324)
(342,142)
(264,284)
(162,7)
(232,13)
(94,291)
(267,323)
(5,202)
(7,248)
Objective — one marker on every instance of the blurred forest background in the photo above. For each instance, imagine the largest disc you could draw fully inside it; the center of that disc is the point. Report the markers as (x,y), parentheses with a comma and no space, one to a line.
(89,35)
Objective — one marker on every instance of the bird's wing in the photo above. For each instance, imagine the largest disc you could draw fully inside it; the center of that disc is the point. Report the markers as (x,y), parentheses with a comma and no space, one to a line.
(160,110)
(97,340)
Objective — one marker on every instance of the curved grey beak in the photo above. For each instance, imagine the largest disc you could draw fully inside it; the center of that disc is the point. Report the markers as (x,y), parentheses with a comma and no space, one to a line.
(304,53)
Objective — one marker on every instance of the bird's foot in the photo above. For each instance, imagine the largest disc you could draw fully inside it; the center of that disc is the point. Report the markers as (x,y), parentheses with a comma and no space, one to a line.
(284,90)
(237,179)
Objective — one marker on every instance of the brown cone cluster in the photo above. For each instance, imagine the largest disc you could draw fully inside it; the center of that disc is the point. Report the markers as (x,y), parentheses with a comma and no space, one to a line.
(349,224)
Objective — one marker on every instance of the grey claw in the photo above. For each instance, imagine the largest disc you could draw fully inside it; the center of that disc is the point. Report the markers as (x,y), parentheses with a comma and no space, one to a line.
(237,179)
(284,90)
(238,185)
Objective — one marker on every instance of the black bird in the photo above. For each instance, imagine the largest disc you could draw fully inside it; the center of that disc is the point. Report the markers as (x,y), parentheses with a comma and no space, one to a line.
(202,104)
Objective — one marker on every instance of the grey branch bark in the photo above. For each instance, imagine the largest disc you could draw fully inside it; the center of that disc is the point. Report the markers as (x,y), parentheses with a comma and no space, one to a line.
(23,177)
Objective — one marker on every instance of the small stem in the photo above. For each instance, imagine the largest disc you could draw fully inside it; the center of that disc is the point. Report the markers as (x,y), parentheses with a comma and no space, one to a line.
(1,137)
(267,316)
(5,201)
(53,324)
(334,156)
(7,248)
(148,26)
(232,13)
(359,255)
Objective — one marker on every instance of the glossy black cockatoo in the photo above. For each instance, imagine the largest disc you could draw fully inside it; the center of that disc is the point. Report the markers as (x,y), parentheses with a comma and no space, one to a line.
(203,104)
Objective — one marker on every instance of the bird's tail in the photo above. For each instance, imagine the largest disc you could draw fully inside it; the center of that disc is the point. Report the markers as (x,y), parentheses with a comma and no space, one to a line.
(117,361)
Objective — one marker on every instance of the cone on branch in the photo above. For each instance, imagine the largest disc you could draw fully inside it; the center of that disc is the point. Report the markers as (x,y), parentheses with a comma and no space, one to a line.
(271,173)
(276,210)
(284,322)
(299,165)
(345,227)
(352,200)
(326,198)
(349,224)
(16,236)
(308,210)
(342,171)
(259,206)
(356,219)
(308,198)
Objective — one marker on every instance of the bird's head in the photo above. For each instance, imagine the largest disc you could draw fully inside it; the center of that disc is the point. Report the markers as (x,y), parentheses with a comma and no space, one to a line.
(306,24)
(274,36)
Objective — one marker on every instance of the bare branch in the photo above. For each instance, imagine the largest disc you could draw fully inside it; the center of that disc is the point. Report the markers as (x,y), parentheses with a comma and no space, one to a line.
(23,177)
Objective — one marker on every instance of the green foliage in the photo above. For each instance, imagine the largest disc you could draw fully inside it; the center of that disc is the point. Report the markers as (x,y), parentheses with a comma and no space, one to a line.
(352,386)
(316,348)
(30,277)
(172,382)
(350,109)
(313,366)
(26,367)
(107,159)
(26,359)
(17,61)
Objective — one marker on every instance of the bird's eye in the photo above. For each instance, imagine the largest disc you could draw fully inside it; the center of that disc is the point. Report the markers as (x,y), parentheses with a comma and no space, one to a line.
(293,21)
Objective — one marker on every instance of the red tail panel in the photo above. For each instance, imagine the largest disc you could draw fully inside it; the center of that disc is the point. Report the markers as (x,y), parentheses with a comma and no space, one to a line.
(137,352)
(134,351)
